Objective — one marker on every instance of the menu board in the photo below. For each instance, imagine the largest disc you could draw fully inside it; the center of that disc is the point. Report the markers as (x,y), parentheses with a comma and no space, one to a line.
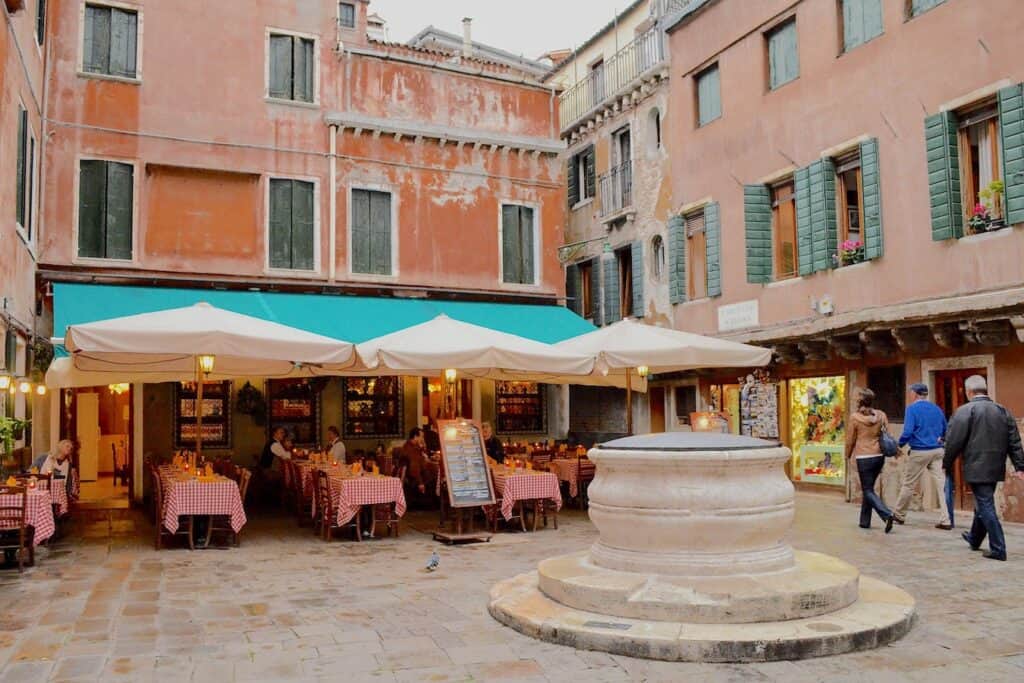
(465,464)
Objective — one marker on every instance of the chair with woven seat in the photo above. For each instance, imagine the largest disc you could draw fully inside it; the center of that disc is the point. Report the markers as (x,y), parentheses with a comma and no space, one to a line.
(328,513)
(493,512)
(14,532)
(585,470)
(186,528)
(385,514)
(303,498)
(120,466)
(222,523)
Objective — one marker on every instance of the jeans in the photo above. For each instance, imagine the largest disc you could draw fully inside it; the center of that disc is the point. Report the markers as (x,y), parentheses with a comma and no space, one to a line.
(869,469)
(986,521)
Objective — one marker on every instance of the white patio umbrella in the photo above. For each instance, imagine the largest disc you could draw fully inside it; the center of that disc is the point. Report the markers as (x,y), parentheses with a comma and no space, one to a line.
(444,346)
(197,341)
(632,346)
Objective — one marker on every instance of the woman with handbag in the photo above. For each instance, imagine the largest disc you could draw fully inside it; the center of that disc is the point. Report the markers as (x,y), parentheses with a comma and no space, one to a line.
(864,434)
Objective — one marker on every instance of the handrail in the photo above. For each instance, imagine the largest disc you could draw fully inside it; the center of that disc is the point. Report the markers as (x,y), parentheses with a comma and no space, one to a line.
(606,81)
(616,188)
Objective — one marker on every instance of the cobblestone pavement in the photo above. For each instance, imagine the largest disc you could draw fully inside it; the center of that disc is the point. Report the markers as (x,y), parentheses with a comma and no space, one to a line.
(102,605)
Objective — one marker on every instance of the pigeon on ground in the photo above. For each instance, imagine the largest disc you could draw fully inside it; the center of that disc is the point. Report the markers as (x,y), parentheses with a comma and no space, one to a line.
(435,560)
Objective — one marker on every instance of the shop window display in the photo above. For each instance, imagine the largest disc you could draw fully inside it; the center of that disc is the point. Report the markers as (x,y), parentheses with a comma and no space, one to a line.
(817,429)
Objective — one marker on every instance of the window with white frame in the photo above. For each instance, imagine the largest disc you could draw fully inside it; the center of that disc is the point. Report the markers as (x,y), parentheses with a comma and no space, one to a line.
(346,15)
(105,209)
(292,63)
(518,245)
(292,233)
(110,41)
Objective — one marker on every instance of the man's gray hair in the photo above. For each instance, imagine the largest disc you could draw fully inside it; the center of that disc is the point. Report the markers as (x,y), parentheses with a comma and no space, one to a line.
(976,384)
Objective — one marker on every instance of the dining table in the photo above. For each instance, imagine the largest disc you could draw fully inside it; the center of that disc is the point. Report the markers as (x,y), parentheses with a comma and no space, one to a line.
(187,494)
(38,512)
(350,492)
(567,470)
(516,485)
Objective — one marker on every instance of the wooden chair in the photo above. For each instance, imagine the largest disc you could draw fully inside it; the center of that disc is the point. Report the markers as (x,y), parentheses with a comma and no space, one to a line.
(493,513)
(186,527)
(541,461)
(541,508)
(303,500)
(325,504)
(222,523)
(120,466)
(14,532)
(585,471)
(384,514)
(287,490)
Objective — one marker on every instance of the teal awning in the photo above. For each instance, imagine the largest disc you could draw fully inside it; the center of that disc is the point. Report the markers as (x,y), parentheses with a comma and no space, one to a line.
(349,318)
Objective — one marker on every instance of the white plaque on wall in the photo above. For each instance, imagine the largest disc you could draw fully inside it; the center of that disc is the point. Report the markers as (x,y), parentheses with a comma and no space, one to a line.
(737,316)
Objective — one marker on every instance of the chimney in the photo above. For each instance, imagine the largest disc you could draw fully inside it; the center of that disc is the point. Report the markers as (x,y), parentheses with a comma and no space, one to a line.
(467,37)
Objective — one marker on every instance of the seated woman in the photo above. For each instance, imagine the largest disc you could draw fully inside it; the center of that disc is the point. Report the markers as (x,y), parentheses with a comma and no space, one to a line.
(58,463)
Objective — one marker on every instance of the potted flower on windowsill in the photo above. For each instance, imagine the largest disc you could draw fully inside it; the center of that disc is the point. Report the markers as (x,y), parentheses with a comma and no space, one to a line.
(980,219)
(851,252)
(990,199)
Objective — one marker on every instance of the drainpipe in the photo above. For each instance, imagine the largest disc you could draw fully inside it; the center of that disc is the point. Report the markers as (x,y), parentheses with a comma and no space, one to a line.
(333,203)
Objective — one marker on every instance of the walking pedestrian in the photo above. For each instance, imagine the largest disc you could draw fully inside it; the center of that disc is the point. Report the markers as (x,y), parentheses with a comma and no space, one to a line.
(924,430)
(983,433)
(862,432)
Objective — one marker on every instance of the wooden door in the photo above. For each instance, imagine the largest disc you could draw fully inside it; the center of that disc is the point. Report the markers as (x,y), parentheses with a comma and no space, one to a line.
(950,395)
(87,418)
(656,395)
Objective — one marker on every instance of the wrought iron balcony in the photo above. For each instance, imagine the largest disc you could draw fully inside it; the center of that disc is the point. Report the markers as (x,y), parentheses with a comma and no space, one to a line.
(615,75)
(616,189)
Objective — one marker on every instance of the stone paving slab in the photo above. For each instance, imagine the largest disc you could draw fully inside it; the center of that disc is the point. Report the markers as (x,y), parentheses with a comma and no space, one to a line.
(102,605)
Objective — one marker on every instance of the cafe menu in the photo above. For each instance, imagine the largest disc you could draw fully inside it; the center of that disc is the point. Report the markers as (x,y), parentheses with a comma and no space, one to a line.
(465,464)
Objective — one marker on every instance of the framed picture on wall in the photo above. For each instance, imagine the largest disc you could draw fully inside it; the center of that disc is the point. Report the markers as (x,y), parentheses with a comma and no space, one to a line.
(295,405)
(216,414)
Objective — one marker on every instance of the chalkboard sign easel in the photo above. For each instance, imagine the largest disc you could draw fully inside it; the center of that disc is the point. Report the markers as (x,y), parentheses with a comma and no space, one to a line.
(467,474)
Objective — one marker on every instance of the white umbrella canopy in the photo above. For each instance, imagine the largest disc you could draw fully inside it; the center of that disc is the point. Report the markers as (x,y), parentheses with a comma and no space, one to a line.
(443,342)
(629,344)
(168,342)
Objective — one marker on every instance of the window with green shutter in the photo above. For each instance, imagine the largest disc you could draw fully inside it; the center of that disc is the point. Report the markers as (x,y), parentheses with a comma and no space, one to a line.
(862,21)
(944,175)
(637,274)
(346,15)
(611,289)
(518,237)
(292,66)
(709,96)
(1011,131)
(696,256)
(573,285)
(105,209)
(40,21)
(581,176)
(371,232)
(111,37)
(916,7)
(757,214)
(677,285)
(292,237)
(20,174)
(713,246)
(783,55)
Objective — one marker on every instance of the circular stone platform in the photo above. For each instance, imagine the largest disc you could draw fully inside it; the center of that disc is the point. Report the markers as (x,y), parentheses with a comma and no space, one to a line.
(882,614)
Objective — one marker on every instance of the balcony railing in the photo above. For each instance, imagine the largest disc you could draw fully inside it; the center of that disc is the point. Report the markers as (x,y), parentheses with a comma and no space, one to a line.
(607,80)
(616,189)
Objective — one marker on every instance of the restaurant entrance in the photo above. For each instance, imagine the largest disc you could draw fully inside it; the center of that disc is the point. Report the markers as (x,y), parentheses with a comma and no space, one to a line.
(99,420)
(950,395)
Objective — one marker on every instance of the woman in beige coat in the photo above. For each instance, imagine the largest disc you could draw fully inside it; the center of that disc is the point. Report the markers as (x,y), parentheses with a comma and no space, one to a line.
(862,433)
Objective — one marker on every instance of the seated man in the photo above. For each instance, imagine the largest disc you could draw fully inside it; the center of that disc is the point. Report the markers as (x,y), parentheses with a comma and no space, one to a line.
(492,444)
(420,473)
(58,463)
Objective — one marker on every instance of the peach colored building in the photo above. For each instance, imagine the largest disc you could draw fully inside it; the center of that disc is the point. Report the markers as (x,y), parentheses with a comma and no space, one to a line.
(195,146)
(840,149)
(22,44)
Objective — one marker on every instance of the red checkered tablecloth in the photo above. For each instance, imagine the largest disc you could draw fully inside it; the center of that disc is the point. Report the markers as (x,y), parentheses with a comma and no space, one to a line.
(566,470)
(59,494)
(188,496)
(350,493)
(38,512)
(525,486)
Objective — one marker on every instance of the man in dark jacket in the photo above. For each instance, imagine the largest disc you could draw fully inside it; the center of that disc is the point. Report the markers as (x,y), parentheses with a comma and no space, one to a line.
(984,434)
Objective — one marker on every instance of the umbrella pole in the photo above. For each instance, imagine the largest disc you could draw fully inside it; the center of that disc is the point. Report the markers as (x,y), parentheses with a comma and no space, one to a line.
(629,402)
(199,413)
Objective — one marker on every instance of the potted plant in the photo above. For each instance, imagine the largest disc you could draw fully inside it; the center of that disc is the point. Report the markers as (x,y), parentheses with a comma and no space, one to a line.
(990,197)
(850,252)
(11,428)
(251,403)
(980,219)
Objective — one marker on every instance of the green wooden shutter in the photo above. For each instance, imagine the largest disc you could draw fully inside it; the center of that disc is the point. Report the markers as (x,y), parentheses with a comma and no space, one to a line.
(380,233)
(637,273)
(713,248)
(572,179)
(783,55)
(1011,127)
(804,233)
(873,238)
(360,227)
(589,172)
(757,214)
(281,212)
(10,353)
(40,21)
(123,37)
(824,235)
(302,64)
(119,210)
(676,260)
(526,244)
(612,310)
(862,21)
(597,315)
(281,67)
(31,181)
(709,96)
(96,53)
(919,6)
(941,147)
(511,248)
(573,285)
(19,180)
(302,235)
(92,208)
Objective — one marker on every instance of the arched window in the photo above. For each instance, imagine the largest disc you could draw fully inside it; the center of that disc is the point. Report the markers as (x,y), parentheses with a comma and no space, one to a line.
(658,253)
(653,132)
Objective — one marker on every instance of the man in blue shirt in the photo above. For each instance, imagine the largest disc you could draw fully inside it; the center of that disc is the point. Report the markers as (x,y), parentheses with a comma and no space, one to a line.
(924,430)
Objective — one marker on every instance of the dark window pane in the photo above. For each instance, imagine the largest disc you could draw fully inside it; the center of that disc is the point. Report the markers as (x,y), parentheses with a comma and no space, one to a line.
(889,385)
